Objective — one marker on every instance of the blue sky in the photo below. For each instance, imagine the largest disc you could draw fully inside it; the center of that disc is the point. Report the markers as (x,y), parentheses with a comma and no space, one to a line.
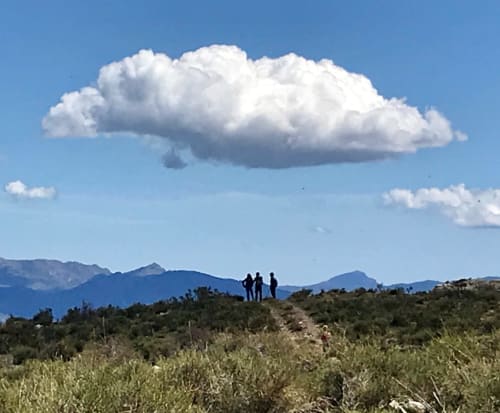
(119,207)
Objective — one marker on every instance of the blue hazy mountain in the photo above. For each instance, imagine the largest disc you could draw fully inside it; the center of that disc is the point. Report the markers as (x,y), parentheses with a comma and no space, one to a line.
(26,286)
(490,278)
(119,289)
(415,287)
(358,279)
(151,269)
(348,281)
(43,274)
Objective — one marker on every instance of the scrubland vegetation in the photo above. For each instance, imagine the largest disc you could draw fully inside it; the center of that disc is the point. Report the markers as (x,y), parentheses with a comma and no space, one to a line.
(410,319)
(213,353)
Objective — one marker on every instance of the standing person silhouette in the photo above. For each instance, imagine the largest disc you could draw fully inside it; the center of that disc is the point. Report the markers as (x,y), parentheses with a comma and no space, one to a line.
(258,286)
(273,284)
(248,285)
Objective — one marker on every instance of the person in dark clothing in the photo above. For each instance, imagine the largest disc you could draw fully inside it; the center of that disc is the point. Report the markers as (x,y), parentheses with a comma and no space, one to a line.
(248,285)
(273,284)
(259,281)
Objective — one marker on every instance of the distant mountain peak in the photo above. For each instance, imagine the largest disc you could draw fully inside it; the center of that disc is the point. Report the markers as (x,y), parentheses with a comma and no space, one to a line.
(351,274)
(348,281)
(151,269)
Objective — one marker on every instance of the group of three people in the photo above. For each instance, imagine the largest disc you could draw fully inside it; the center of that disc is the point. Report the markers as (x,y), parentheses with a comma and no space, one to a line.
(250,284)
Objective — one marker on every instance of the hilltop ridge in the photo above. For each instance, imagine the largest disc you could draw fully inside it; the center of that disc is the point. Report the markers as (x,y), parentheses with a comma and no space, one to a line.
(28,285)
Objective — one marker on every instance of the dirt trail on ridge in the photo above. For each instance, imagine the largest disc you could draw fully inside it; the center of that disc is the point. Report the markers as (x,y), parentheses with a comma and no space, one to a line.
(294,320)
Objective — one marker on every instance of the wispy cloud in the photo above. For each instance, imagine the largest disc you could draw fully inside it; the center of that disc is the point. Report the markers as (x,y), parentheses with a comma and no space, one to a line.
(19,190)
(467,208)
(322,230)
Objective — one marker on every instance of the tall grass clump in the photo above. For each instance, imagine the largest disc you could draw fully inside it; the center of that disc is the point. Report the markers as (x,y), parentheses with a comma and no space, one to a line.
(229,376)
(451,373)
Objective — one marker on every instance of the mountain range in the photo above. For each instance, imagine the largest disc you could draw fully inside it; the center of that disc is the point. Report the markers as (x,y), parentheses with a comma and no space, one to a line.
(43,274)
(145,285)
(26,286)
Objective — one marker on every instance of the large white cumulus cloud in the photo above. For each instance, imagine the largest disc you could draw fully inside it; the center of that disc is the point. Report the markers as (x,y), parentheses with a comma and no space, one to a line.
(20,190)
(220,105)
(468,208)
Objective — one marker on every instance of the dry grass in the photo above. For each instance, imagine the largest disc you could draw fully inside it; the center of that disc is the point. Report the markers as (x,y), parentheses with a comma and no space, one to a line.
(271,372)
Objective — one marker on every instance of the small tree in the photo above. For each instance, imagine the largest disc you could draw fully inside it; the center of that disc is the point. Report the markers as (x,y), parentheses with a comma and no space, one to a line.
(44,317)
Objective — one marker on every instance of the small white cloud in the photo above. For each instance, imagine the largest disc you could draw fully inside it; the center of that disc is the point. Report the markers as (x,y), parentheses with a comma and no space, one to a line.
(19,190)
(461,136)
(322,230)
(219,104)
(467,208)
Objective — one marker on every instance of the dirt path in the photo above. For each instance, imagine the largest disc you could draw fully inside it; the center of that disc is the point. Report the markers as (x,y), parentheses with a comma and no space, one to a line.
(294,320)
(278,318)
